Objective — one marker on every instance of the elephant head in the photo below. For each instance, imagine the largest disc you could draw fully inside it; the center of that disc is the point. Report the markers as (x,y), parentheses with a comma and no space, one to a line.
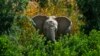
(52,26)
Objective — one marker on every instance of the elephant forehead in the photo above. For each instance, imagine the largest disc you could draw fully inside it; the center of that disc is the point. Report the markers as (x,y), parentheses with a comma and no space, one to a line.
(52,20)
(51,23)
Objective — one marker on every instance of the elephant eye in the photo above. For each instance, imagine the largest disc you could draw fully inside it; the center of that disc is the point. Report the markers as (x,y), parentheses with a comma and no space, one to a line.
(51,23)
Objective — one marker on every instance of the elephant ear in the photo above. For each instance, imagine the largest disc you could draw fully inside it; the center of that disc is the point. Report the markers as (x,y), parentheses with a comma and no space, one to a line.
(39,22)
(64,25)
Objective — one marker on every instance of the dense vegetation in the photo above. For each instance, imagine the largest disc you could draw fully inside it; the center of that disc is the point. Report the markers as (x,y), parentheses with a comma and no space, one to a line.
(19,38)
(75,45)
(91,11)
(8,10)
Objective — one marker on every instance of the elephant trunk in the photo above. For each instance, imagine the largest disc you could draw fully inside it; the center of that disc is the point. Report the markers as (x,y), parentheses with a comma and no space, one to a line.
(50,27)
(50,34)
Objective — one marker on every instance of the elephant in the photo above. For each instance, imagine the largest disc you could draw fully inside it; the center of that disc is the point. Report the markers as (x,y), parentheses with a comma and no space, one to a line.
(52,26)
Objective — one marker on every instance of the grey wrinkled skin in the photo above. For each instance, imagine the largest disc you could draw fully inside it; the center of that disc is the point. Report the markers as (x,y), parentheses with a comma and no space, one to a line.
(64,25)
(51,26)
(39,22)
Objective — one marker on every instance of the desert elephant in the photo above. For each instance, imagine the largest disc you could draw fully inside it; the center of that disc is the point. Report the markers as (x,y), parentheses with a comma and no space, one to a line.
(51,26)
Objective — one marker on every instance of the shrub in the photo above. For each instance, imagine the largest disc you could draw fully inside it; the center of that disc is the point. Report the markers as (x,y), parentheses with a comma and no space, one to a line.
(8,10)
(76,45)
(91,11)
(8,47)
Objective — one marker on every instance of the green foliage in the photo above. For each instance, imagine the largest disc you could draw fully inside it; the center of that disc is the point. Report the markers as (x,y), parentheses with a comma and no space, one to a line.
(43,3)
(8,47)
(91,11)
(24,41)
(8,10)
(75,45)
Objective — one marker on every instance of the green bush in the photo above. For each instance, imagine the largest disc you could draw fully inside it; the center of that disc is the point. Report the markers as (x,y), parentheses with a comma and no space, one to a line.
(76,45)
(91,11)
(8,47)
(8,10)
